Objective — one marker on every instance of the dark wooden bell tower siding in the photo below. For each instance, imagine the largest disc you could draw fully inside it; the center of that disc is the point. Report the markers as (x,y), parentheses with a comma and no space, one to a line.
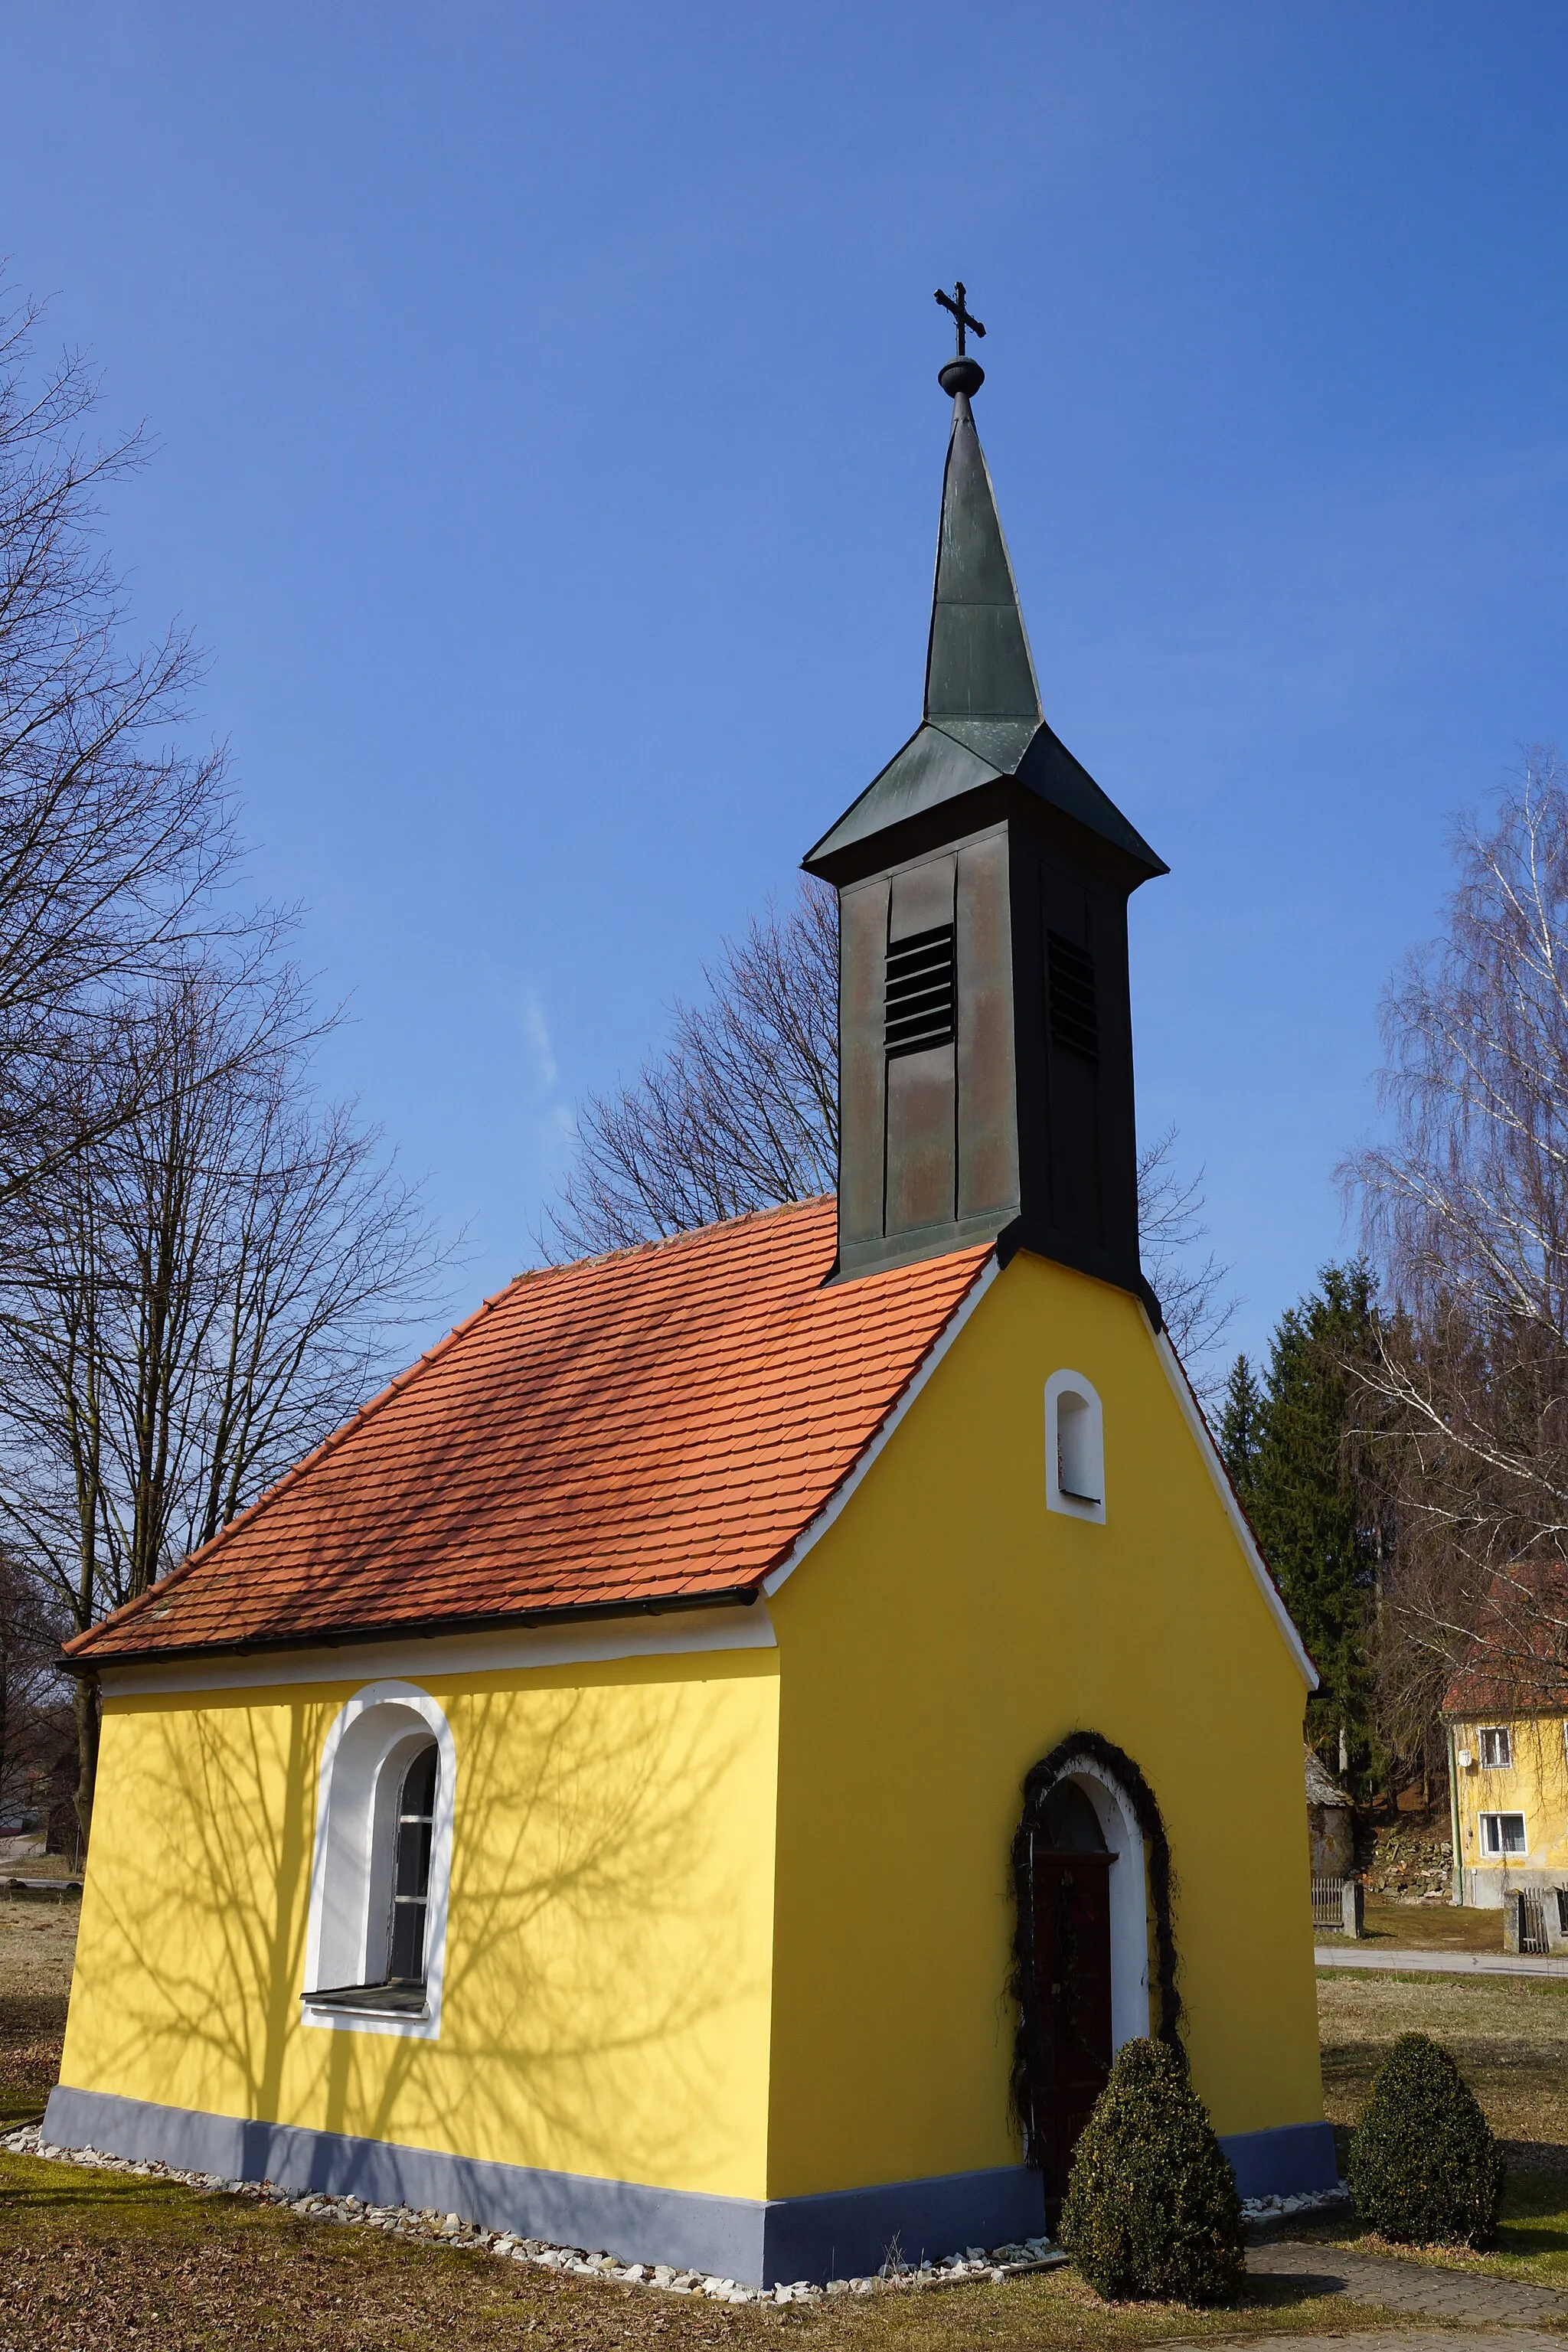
(985,1043)
(1019,1120)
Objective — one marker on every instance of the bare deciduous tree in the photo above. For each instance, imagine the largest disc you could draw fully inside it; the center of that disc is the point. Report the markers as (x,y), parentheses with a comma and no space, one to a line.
(1466,1210)
(199,1296)
(739,1112)
(113,838)
(1188,1280)
(31,1680)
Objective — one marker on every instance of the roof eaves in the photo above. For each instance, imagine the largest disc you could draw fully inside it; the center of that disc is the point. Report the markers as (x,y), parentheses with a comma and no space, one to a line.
(419,1629)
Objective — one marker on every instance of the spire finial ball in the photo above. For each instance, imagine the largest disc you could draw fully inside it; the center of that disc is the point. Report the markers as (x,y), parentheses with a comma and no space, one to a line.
(965,375)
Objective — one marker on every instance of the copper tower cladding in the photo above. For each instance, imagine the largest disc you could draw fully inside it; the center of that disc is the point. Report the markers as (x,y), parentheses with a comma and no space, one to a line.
(986,1037)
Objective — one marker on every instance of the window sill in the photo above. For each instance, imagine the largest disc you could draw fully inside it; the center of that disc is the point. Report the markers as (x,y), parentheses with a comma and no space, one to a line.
(407,2003)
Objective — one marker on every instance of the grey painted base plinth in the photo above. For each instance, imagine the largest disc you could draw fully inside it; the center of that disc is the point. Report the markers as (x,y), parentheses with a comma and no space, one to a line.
(756,2241)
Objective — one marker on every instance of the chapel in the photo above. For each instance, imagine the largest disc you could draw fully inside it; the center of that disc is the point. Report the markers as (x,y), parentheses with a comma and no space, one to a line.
(714,1760)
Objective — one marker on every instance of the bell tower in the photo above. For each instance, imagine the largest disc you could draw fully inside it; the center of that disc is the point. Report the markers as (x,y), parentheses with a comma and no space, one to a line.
(984,1032)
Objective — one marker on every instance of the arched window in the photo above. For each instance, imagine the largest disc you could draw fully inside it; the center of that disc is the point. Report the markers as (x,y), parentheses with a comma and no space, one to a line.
(376,1946)
(1075,1448)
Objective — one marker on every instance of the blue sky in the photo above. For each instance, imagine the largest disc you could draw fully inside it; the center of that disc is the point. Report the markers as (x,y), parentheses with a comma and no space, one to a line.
(550,453)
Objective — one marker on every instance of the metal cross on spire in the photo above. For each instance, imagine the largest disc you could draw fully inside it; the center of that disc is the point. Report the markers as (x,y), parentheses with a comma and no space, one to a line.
(954,302)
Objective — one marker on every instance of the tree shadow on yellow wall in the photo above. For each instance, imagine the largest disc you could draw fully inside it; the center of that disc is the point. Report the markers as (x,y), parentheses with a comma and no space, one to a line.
(606,1965)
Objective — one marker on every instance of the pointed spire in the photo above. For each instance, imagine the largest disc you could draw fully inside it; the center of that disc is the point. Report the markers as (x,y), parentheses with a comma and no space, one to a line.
(983,721)
(978,664)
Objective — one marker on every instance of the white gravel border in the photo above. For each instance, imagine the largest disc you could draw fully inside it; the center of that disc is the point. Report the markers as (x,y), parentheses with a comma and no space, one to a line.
(1274,2208)
(975,2262)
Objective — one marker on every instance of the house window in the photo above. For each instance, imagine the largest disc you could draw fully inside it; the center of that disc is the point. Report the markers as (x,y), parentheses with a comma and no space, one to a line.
(1502,1833)
(1075,1448)
(1497,1749)
(375,1944)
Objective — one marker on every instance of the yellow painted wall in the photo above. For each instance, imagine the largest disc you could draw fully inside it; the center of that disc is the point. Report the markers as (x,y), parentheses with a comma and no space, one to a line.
(946,1632)
(606,2001)
(1534,1784)
(741,1923)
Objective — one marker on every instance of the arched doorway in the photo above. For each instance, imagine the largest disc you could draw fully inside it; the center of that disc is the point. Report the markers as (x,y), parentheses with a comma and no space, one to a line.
(1084,1875)
(1070,1945)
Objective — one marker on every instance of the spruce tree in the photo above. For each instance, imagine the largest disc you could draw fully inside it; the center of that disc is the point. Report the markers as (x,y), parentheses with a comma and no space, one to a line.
(1315,1509)
(1241,1424)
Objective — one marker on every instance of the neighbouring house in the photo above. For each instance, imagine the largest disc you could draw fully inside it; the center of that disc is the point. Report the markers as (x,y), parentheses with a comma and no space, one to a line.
(1506,1716)
(713,1761)
(1330,1822)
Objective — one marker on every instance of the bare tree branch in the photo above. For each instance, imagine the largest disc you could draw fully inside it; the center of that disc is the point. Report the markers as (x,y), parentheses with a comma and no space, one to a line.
(200,1295)
(113,840)
(739,1112)
(1466,1210)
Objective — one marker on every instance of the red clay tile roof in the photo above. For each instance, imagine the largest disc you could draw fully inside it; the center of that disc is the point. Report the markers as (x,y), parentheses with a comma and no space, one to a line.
(1517,1660)
(649,1427)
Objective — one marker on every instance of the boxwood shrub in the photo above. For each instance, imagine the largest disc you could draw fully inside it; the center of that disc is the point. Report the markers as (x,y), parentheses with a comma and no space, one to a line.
(1151,2209)
(1424,2168)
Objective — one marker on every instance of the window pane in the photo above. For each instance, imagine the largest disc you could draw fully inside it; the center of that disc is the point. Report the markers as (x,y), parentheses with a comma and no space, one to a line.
(1514,1832)
(419,1784)
(413,1872)
(411,1867)
(408,1959)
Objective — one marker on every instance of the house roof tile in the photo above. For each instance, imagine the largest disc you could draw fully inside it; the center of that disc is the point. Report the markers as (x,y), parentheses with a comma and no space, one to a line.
(654,1427)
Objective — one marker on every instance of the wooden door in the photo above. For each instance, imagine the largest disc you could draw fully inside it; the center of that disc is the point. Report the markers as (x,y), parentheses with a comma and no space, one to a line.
(1072,2000)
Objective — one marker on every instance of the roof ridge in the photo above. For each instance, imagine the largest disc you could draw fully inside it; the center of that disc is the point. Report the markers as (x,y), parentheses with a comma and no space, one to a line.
(675,1241)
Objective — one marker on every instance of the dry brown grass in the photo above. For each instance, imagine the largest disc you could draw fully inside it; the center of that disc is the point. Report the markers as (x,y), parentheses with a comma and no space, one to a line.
(94,2259)
(37,1942)
(1433,1927)
(1509,2035)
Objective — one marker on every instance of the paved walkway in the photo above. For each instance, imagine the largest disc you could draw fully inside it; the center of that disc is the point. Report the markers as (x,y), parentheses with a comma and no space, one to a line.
(1484,1964)
(1418,2289)
(1388,2339)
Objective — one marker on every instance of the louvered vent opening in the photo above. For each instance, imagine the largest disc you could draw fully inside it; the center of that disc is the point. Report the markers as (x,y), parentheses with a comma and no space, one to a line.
(1075,1015)
(921,992)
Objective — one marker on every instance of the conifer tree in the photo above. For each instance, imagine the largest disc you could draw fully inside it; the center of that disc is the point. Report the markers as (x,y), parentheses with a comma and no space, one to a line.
(1241,1424)
(1316,1509)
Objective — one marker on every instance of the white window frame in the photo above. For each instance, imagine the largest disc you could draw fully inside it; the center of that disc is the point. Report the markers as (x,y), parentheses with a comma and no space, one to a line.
(1073,1411)
(1499,1851)
(1495,1731)
(369,1745)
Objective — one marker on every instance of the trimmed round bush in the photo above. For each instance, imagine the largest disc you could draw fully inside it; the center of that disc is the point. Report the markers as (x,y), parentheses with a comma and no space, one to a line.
(1424,2168)
(1152,2210)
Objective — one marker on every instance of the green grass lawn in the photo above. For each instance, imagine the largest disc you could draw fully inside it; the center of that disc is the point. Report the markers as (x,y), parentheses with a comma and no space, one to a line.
(91,2258)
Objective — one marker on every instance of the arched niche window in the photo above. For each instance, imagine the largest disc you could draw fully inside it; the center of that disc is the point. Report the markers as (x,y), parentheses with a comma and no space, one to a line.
(376,1946)
(1075,1448)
